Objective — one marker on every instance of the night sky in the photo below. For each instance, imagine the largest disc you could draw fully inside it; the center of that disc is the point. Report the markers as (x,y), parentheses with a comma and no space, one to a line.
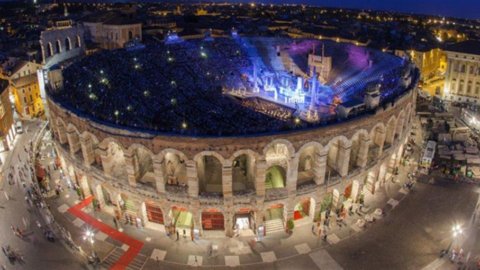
(456,8)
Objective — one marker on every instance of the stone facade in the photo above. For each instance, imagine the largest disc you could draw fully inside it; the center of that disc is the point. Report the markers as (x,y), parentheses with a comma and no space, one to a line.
(126,170)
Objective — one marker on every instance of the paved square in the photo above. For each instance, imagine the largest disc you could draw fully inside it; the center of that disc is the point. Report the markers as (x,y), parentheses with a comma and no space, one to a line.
(195,260)
(324,261)
(268,256)
(101,236)
(78,222)
(232,261)
(63,208)
(403,191)
(356,228)
(158,254)
(332,239)
(303,248)
(125,247)
(148,239)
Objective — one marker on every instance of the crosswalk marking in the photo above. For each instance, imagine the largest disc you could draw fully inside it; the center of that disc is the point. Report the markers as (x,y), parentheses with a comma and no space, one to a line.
(324,261)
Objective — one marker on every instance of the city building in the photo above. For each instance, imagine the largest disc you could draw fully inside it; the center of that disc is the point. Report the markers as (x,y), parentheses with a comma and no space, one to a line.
(7,127)
(114,32)
(27,99)
(462,78)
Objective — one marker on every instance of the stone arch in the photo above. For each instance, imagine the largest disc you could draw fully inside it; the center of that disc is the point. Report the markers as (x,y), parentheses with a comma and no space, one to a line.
(304,208)
(68,44)
(243,164)
(288,145)
(309,163)
(49,51)
(338,156)
(113,160)
(130,35)
(390,134)
(359,150)
(142,164)
(275,177)
(209,166)
(279,152)
(58,46)
(172,166)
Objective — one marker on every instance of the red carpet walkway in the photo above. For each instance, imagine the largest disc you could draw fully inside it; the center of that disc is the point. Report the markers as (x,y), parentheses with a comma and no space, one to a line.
(134,245)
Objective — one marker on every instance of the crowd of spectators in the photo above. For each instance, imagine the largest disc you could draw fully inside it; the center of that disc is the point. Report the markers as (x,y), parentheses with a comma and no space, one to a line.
(174,88)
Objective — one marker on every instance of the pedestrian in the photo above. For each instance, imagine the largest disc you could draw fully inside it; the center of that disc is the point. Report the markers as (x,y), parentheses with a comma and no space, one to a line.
(178,235)
(115,222)
(184,233)
(313,228)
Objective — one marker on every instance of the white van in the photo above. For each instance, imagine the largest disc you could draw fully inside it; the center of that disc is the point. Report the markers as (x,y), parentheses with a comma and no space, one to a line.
(18,127)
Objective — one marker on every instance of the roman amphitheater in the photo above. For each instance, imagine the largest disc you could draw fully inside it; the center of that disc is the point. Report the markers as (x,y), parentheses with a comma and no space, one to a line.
(249,135)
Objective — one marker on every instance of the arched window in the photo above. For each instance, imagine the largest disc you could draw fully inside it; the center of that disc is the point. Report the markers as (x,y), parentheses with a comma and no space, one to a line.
(68,45)
(463,69)
(49,50)
(58,47)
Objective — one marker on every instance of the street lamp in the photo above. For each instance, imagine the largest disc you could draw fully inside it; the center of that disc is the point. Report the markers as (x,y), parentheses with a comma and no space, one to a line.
(456,231)
(89,236)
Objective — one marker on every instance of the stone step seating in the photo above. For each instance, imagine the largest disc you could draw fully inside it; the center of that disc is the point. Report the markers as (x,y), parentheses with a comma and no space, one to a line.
(274,225)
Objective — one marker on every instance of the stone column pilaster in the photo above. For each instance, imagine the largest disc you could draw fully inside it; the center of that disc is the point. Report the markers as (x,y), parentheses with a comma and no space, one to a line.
(227,179)
(159,176)
(362,157)
(260,177)
(320,167)
(292,175)
(132,170)
(73,142)
(192,178)
(343,159)
(105,161)
(86,144)
(62,136)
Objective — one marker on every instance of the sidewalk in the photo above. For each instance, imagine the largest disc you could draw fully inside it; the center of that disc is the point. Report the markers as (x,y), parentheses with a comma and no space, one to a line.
(159,249)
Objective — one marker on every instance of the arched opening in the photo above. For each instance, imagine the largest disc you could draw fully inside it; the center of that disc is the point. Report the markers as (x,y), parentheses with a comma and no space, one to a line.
(244,221)
(209,170)
(307,162)
(144,166)
(154,212)
(49,50)
(182,219)
(58,47)
(275,177)
(212,219)
(84,187)
(175,171)
(78,42)
(130,35)
(114,163)
(274,217)
(243,174)
(104,196)
(304,208)
(129,209)
(68,44)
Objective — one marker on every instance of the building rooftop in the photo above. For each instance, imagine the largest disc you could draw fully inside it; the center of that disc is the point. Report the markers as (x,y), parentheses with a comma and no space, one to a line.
(469,46)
